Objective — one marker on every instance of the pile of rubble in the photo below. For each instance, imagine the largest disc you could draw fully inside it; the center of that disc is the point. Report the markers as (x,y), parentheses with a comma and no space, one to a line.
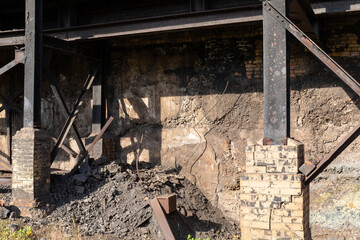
(111,200)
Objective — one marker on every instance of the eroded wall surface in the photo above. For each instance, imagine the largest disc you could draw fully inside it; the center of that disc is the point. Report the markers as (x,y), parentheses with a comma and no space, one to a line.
(190,100)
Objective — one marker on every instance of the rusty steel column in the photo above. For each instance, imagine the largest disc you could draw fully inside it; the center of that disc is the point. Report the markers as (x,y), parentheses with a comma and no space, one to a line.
(33,63)
(276,78)
(31,145)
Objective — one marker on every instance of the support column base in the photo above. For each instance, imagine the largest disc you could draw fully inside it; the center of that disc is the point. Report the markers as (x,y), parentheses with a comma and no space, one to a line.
(274,198)
(30,168)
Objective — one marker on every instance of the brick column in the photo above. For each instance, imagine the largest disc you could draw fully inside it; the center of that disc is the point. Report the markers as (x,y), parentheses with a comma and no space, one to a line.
(31,168)
(274,199)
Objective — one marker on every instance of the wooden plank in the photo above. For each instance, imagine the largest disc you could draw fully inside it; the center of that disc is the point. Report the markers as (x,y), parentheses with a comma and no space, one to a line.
(82,156)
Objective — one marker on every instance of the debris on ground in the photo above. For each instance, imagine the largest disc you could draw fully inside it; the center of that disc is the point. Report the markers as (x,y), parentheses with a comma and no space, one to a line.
(111,201)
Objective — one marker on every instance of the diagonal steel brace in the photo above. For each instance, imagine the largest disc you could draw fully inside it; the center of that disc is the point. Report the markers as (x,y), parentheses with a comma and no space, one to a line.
(312,47)
(72,116)
(19,58)
(335,68)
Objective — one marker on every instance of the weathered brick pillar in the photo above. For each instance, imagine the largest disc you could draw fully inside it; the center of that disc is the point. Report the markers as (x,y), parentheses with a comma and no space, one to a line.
(31,168)
(274,199)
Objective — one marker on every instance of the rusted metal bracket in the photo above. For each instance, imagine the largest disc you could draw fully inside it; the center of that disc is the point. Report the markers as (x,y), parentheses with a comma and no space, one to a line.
(161,218)
(72,116)
(313,48)
(339,148)
(85,154)
(19,58)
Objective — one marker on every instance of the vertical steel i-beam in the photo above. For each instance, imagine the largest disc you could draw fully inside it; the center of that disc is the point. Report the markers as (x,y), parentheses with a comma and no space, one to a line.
(33,63)
(276,78)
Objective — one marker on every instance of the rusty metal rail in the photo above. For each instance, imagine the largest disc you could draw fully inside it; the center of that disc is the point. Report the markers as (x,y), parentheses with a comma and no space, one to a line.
(161,218)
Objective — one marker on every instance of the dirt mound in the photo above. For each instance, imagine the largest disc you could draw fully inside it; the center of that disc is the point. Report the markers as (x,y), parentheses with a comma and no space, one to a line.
(110,201)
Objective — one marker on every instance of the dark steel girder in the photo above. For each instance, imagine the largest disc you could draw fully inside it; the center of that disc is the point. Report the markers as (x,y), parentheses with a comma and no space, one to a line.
(33,63)
(276,79)
(335,68)
(160,24)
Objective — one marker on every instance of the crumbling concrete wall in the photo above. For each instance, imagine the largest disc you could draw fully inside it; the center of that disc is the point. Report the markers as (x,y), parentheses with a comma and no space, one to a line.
(190,101)
(170,96)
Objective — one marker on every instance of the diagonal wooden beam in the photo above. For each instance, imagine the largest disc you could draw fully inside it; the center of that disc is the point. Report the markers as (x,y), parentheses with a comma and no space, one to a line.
(82,156)
(60,100)
(66,149)
(72,116)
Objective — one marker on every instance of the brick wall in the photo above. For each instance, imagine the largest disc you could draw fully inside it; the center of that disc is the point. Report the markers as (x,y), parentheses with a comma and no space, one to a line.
(31,168)
(274,200)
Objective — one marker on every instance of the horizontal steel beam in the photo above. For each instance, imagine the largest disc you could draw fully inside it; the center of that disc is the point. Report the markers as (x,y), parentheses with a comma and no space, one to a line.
(12,38)
(160,24)
(212,18)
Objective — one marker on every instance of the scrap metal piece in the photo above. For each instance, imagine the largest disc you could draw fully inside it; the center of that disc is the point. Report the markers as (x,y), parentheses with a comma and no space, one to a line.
(161,219)
(307,168)
(168,202)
